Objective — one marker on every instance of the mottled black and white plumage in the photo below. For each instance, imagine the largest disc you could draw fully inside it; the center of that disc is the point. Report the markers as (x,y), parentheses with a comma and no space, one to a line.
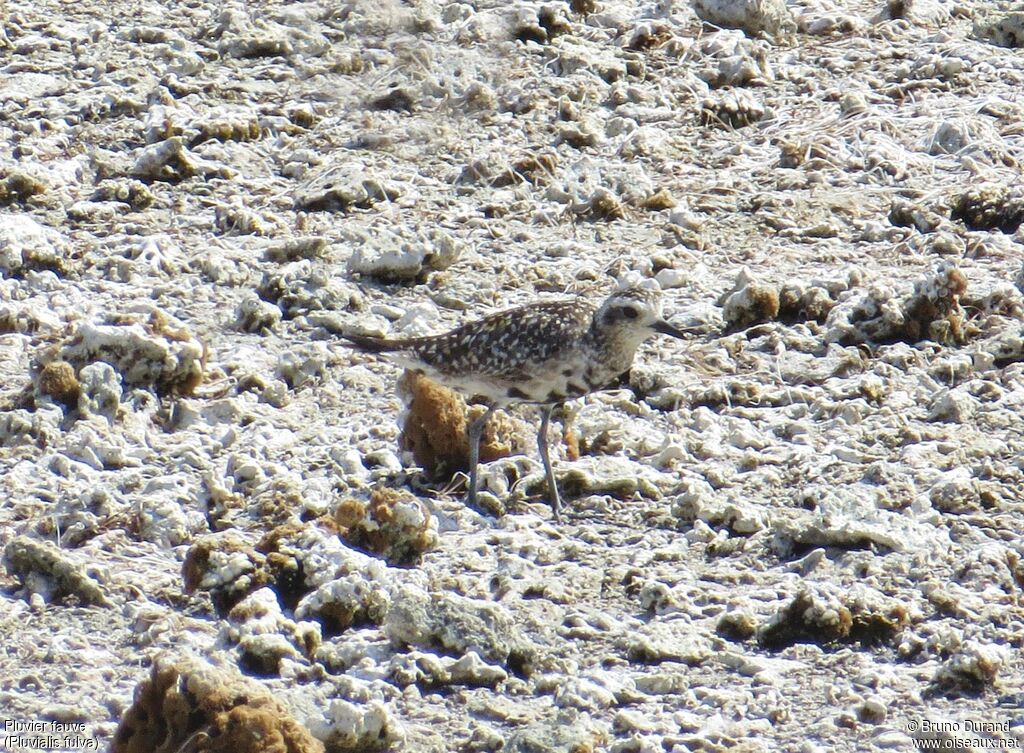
(542,353)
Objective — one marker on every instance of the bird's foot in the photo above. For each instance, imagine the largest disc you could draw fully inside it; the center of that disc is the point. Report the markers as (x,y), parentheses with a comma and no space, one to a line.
(486,504)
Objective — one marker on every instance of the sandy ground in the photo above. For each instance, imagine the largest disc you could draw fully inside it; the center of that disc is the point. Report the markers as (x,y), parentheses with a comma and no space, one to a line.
(800,530)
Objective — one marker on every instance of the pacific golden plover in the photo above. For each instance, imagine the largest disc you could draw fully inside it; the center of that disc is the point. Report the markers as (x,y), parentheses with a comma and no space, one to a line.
(543,353)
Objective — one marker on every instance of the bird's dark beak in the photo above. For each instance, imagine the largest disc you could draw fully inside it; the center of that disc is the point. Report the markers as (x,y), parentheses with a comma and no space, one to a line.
(664,328)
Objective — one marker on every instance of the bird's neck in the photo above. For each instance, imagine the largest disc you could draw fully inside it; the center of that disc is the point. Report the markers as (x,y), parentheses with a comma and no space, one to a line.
(614,351)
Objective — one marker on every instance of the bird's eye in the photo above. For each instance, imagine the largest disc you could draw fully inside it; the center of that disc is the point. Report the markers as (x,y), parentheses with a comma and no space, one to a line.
(630,313)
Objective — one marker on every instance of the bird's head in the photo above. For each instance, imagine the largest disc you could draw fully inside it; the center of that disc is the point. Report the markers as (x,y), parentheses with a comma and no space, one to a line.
(633,315)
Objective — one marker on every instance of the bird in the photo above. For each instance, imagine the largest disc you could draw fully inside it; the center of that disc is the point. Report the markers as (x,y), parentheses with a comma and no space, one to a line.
(542,353)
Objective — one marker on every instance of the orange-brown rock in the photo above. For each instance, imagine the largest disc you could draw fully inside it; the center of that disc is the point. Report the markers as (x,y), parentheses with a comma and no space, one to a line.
(57,379)
(188,706)
(435,428)
(394,524)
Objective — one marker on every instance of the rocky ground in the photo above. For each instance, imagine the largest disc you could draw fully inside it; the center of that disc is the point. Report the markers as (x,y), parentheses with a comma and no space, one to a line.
(799,530)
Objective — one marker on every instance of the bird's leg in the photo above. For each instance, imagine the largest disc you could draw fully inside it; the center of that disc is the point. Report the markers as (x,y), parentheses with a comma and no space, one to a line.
(475,431)
(542,445)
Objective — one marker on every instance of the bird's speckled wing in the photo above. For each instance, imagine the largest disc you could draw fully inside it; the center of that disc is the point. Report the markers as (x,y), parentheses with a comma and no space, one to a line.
(509,345)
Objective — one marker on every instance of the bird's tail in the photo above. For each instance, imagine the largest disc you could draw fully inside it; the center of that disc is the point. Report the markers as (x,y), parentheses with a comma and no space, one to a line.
(371,344)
